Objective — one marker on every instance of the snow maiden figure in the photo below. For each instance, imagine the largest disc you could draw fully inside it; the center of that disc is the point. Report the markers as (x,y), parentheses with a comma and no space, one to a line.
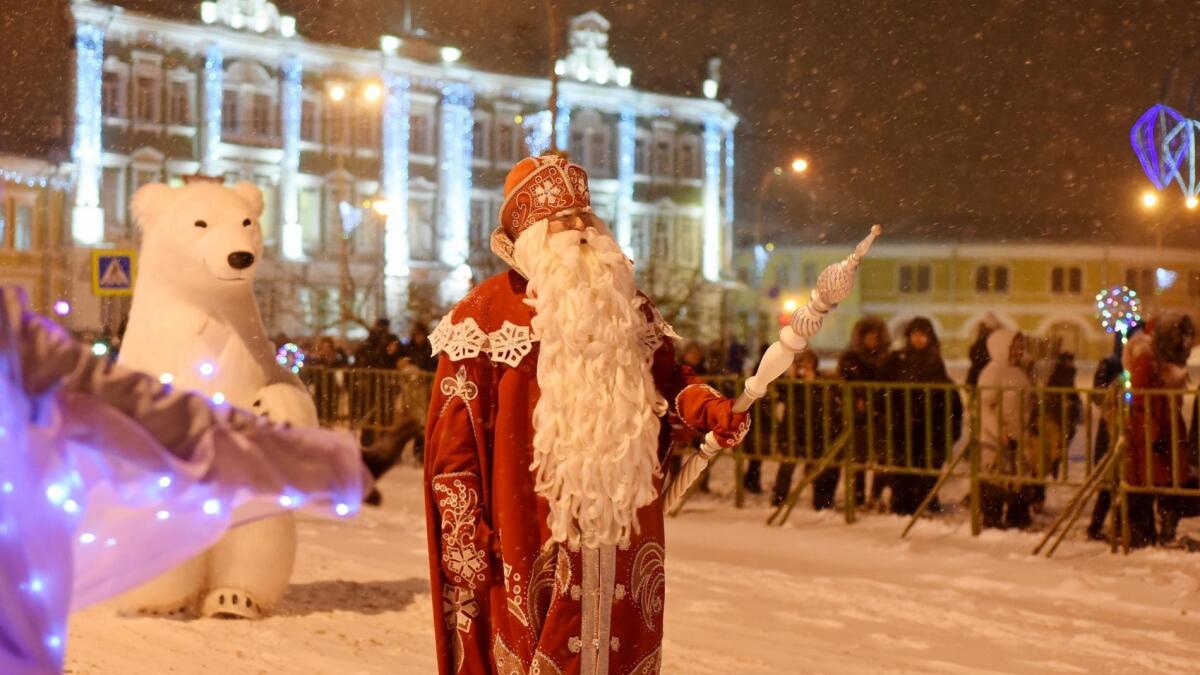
(108,478)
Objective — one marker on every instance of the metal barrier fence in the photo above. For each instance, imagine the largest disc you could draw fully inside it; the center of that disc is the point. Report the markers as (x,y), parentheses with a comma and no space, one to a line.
(1009,445)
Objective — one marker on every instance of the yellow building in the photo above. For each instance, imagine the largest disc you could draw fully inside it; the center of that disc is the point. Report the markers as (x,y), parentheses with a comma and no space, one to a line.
(1046,290)
(33,199)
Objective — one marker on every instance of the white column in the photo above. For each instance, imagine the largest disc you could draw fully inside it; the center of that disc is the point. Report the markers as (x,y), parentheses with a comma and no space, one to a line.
(727,253)
(712,230)
(87,221)
(289,194)
(454,187)
(210,132)
(396,109)
(562,125)
(626,146)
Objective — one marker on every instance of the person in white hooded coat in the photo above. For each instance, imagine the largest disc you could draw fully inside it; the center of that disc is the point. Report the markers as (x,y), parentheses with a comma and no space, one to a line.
(1004,389)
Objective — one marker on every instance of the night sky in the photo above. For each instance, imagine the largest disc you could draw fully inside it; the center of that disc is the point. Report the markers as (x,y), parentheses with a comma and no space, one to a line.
(999,118)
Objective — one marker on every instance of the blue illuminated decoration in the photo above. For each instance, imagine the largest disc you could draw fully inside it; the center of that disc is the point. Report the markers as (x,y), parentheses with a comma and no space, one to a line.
(562,126)
(214,78)
(1183,136)
(626,147)
(711,261)
(457,126)
(396,109)
(87,226)
(537,133)
(1118,309)
(293,235)
(1160,159)
(729,184)
(35,180)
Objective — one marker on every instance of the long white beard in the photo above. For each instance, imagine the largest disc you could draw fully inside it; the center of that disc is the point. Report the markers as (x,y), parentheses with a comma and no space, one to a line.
(595,436)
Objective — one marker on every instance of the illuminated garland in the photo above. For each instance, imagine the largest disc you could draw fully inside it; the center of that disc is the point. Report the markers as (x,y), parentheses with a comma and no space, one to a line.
(1118,309)
(291,357)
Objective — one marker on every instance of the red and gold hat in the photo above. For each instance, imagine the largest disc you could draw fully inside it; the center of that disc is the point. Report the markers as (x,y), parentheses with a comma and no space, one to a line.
(538,188)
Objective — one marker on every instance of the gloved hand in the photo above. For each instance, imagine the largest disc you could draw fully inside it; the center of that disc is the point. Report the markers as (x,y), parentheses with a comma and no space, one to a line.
(702,408)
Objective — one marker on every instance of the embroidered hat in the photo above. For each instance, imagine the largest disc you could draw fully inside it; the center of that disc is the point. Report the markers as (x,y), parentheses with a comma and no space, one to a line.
(539,187)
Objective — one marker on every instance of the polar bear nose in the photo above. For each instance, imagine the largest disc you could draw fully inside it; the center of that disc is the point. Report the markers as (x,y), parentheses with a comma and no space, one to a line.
(240,260)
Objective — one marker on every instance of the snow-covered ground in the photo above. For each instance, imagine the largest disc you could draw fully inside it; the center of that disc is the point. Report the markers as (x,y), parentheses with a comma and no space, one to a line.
(814,596)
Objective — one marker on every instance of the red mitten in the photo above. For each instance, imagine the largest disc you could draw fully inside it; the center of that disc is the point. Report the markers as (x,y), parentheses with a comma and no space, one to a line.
(703,409)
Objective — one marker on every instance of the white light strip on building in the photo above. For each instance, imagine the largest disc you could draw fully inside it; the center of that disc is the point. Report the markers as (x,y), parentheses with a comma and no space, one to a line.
(455,180)
(87,222)
(293,234)
(711,264)
(729,213)
(562,126)
(214,78)
(626,147)
(35,180)
(396,110)
(537,133)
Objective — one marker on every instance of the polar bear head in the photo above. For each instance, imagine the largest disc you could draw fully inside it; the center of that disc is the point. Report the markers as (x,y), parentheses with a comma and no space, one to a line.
(202,237)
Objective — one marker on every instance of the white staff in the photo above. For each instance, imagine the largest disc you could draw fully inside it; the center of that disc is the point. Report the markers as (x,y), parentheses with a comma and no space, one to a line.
(833,286)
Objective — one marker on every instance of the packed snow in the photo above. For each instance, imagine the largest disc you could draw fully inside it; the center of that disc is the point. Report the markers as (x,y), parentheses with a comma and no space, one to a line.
(813,596)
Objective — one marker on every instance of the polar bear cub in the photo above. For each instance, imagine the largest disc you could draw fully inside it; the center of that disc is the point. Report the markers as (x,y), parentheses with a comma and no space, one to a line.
(194,322)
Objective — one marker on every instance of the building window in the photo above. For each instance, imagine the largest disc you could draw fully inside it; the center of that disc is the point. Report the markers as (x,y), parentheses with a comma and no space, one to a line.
(915,278)
(179,103)
(810,274)
(230,110)
(664,151)
(310,219)
(689,157)
(510,145)
(783,272)
(1066,280)
(421,227)
(111,98)
(1194,284)
(112,200)
(420,134)
(639,236)
(991,279)
(1140,279)
(480,138)
(270,207)
(641,155)
(261,120)
(309,120)
(481,223)
(23,227)
(144,96)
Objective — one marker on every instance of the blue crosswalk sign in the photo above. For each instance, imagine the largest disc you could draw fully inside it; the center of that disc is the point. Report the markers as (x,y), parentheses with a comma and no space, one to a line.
(112,272)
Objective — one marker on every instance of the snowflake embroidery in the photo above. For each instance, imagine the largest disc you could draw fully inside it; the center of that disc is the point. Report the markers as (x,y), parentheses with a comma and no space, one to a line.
(457,504)
(546,192)
(510,344)
(441,334)
(459,608)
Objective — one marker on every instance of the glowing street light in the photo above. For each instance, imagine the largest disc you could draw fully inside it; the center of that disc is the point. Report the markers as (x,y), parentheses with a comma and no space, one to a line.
(1149,200)
(1192,202)
(337,93)
(790,306)
(450,54)
(373,92)
(382,207)
(800,165)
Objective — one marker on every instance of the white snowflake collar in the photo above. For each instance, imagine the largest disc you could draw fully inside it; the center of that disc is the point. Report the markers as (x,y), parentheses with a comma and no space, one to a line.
(510,343)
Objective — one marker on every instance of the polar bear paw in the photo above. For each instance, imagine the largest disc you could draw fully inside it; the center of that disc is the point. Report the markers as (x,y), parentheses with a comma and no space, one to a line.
(286,404)
(183,609)
(231,603)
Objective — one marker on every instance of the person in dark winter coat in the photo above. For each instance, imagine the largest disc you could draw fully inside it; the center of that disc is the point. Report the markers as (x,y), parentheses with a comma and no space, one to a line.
(417,350)
(926,427)
(863,362)
(978,352)
(1110,374)
(1158,361)
(807,418)
(1060,413)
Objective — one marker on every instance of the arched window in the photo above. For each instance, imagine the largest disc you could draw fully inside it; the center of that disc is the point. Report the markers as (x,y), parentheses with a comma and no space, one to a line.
(591,142)
(250,104)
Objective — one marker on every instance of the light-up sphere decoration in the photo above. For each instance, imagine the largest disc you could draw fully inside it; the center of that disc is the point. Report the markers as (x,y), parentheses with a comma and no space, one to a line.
(62,308)
(1118,309)
(99,348)
(290,356)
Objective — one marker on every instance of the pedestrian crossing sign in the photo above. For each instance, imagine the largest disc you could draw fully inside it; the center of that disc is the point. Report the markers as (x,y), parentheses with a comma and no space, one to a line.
(113,272)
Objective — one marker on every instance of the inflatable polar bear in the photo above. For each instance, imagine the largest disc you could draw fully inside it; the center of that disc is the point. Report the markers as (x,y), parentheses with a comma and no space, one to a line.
(194,322)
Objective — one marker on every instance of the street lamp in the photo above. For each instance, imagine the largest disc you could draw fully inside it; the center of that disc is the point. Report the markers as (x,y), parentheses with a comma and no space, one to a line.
(1149,199)
(799,165)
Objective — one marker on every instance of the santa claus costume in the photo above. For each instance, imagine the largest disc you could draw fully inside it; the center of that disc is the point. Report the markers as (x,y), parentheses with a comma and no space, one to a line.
(554,400)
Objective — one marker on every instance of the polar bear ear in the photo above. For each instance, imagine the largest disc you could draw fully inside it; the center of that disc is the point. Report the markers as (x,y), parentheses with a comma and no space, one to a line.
(149,199)
(252,195)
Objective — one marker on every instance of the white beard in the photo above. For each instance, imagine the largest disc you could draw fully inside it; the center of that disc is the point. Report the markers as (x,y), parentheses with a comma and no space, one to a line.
(595,439)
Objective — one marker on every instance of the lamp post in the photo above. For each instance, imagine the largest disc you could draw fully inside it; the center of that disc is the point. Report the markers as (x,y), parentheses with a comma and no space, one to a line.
(349,217)
(798,167)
